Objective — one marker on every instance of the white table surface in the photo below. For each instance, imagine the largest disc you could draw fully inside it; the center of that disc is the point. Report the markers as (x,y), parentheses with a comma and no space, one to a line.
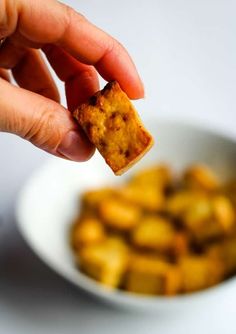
(185,51)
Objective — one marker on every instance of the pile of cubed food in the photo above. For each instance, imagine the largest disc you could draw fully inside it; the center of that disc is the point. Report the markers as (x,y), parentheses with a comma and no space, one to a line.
(158,233)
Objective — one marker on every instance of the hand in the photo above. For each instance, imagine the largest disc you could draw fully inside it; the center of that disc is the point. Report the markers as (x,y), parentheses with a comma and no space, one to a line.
(76,50)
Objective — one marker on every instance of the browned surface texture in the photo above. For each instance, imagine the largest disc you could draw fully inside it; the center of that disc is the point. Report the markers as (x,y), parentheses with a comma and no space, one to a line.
(113,126)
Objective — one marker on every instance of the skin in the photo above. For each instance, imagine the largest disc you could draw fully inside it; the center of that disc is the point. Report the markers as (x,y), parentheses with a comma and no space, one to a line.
(77,51)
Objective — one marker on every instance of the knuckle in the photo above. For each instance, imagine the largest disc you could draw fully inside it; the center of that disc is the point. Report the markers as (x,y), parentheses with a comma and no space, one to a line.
(117,47)
(45,130)
(8,17)
(70,16)
(88,74)
(11,55)
(112,47)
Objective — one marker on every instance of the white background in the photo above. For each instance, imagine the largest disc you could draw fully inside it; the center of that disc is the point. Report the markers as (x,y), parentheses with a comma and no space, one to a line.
(185,51)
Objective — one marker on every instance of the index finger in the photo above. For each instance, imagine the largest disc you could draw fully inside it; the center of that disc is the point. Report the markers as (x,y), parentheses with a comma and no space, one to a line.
(54,22)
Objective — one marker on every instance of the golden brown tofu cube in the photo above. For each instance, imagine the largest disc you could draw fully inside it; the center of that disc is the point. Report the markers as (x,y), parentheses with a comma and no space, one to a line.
(201,177)
(199,272)
(106,262)
(146,197)
(229,255)
(91,198)
(154,233)
(197,220)
(87,231)
(225,251)
(178,202)
(159,176)
(209,218)
(229,190)
(119,214)
(112,124)
(223,212)
(181,244)
(152,276)
(197,213)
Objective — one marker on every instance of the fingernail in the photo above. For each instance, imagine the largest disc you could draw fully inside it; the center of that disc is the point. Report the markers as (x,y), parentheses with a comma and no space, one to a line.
(75,146)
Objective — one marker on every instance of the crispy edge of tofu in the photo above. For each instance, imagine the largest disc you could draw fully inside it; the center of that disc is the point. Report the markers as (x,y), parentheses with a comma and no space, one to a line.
(149,226)
(105,214)
(160,174)
(135,194)
(86,231)
(156,268)
(94,103)
(211,269)
(201,176)
(94,261)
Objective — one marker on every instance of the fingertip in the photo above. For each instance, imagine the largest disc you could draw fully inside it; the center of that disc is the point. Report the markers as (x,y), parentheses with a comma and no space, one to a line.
(118,66)
(135,91)
(133,88)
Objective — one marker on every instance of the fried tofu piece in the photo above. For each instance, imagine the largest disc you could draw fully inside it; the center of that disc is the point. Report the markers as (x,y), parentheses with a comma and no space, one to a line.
(154,233)
(201,177)
(197,218)
(119,214)
(225,252)
(229,190)
(180,201)
(87,231)
(91,198)
(199,272)
(209,218)
(206,216)
(181,244)
(113,126)
(146,197)
(152,275)
(197,213)
(158,234)
(223,212)
(105,262)
(229,255)
(159,176)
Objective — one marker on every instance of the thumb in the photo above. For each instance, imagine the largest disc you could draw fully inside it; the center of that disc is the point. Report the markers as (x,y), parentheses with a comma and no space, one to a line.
(43,122)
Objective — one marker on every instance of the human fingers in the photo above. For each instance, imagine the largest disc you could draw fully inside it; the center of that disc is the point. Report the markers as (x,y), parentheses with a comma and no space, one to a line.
(29,69)
(59,24)
(81,81)
(43,122)
(33,74)
(4,74)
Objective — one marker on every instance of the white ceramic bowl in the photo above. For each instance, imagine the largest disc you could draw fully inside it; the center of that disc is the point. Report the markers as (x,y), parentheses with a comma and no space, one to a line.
(49,201)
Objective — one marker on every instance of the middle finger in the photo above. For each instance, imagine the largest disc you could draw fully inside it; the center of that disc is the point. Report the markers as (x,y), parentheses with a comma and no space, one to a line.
(29,69)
